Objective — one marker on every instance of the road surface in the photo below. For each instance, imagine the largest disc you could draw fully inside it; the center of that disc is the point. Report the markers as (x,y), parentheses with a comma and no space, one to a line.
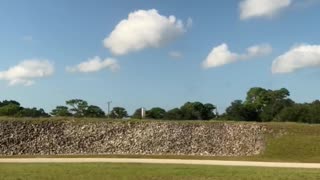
(162,161)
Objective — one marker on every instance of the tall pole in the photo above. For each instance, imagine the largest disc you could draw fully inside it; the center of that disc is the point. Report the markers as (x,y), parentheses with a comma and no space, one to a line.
(109,104)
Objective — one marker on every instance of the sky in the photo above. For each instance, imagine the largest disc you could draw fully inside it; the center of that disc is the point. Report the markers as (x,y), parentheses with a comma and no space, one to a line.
(158,53)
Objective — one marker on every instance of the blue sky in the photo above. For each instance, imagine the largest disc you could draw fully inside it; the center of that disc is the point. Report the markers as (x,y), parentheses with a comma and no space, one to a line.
(39,39)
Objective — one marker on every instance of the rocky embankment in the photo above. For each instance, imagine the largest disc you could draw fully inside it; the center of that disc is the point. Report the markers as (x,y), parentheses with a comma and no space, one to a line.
(50,137)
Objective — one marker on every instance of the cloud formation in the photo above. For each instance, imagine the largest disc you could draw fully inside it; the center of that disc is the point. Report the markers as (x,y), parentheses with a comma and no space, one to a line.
(299,57)
(262,8)
(175,54)
(27,71)
(221,55)
(144,29)
(94,65)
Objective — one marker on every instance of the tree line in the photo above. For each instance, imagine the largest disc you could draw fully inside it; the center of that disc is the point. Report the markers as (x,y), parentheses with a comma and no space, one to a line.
(260,105)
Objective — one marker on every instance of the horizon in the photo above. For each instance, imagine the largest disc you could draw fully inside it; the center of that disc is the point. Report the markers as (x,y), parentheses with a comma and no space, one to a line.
(157,54)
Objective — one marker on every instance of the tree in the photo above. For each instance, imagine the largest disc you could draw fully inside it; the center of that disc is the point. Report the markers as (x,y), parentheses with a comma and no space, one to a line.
(94,111)
(78,107)
(197,111)
(257,97)
(267,103)
(137,114)
(174,114)
(239,111)
(156,113)
(9,109)
(296,113)
(5,102)
(118,113)
(61,111)
(191,111)
(271,110)
(305,113)
(208,112)
(32,112)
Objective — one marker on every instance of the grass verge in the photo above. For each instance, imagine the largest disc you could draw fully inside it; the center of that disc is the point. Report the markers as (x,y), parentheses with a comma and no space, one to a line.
(148,172)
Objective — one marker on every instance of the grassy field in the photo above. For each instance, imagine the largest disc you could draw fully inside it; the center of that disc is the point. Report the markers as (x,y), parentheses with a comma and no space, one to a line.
(148,172)
(301,143)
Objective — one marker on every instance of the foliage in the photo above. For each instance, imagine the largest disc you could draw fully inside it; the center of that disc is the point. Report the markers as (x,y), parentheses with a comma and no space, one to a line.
(137,114)
(118,113)
(94,111)
(156,113)
(12,108)
(32,112)
(9,109)
(174,114)
(197,111)
(78,107)
(260,105)
(61,111)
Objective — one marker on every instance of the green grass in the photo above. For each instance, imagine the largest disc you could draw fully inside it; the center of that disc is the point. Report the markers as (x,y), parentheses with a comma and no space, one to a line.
(148,172)
(300,143)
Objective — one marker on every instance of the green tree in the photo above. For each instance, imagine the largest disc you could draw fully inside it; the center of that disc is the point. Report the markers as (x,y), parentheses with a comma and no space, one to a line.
(208,112)
(32,112)
(6,102)
(174,114)
(78,107)
(267,103)
(197,111)
(296,113)
(238,111)
(118,113)
(137,114)
(156,113)
(10,109)
(94,111)
(271,110)
(61,111)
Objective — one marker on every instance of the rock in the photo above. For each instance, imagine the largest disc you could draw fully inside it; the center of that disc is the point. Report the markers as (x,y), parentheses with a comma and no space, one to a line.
(139,138)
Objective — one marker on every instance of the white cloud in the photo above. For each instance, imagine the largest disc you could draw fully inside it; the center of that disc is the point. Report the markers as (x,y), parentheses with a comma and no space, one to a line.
(189,22)
(262,8)
(27,71)
(298,57)
(258,50)
(95,64)
(221,55)
(175,54)
(144,29)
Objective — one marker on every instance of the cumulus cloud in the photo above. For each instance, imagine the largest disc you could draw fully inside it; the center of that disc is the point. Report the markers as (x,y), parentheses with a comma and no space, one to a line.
(262,8)
(27,71)
(175,54)
(299,57)
(94,65)
(144,29)
(221,55)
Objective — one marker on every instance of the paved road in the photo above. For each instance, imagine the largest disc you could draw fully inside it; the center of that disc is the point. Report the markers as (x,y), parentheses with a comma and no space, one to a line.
(161,161)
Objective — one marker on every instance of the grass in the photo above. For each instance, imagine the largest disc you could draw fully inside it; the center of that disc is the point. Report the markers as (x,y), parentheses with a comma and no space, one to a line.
(148,172)
(301,143)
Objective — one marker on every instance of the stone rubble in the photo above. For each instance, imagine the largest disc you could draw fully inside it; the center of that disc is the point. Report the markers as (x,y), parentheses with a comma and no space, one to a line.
(135,138)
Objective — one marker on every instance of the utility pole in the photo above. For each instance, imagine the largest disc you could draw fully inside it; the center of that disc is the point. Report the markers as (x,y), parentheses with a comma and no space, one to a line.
(109,104)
